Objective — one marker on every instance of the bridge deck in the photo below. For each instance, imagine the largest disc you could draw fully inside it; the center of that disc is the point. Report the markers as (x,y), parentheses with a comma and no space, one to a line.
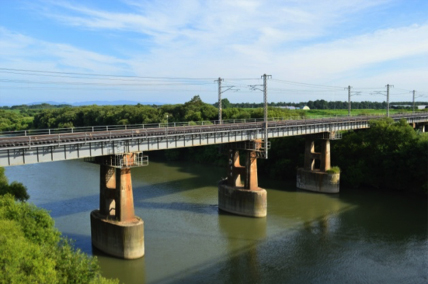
(26,148)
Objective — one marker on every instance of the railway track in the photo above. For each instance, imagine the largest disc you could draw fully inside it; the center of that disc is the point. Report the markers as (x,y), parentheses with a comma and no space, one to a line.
(9,140)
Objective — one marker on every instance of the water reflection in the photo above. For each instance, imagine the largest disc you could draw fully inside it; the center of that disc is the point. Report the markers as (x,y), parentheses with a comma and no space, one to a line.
(354,236)
(243,236)
(131,271)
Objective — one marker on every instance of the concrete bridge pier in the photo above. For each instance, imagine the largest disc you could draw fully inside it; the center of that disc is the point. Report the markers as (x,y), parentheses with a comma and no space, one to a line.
(115,229)
(246,199)
(317,179)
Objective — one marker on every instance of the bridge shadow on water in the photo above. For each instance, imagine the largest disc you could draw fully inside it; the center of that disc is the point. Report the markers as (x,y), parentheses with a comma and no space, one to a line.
(86,203)
(365,242)
(348,240)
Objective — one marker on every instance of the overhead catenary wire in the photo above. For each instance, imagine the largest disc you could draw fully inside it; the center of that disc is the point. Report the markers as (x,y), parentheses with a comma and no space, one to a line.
(130,83)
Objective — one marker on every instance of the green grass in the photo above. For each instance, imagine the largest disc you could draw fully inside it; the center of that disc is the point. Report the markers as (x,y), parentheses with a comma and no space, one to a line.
(333,170)
(344,112)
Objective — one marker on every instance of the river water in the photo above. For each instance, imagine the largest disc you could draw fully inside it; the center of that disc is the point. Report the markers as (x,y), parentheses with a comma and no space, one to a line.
(350,237)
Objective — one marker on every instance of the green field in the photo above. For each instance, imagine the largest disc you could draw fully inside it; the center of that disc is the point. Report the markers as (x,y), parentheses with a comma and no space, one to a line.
(344,112)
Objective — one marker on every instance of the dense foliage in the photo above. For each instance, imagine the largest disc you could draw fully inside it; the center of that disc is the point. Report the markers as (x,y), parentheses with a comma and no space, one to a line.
(17,189)
(319,104)
(14,120)
(58,116)
(193,110)
(32,250)
(389,155)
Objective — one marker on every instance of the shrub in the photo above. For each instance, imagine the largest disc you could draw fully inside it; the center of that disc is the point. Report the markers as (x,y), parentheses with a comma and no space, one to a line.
(333,170)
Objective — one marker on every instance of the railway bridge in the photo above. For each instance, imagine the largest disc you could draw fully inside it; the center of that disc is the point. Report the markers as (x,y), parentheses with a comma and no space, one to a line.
(117,149)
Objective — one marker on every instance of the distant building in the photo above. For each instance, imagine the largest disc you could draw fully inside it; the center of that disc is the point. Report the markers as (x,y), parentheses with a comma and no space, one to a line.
(306,108)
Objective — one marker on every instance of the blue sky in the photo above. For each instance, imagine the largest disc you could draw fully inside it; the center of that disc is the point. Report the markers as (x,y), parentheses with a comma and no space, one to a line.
(169,51)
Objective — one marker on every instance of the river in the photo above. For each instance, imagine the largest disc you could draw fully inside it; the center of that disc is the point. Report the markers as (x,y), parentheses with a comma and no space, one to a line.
(352,237)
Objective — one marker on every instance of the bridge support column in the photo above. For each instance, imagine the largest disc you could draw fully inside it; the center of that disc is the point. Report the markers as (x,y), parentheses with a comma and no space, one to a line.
(246,199)
(115,229)
(319,180)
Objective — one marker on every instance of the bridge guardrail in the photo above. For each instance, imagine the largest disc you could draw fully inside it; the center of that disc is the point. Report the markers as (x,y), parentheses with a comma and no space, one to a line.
(50,131)
(93,130)
(238,126)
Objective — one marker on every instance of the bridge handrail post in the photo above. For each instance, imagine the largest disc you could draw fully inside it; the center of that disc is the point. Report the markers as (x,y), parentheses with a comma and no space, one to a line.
(92,129)
(29,142)
(49,131)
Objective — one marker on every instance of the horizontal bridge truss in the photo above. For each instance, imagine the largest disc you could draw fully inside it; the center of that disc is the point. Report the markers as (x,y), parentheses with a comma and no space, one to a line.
(19,150)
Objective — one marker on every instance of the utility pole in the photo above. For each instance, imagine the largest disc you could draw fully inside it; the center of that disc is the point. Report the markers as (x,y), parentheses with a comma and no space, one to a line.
(387,98)
(349,100)
(220,108)
(414,101)
(219,99)
(265,108)
(265,77)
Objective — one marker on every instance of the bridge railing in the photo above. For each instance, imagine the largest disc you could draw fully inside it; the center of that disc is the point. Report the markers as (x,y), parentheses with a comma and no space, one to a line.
(88,129)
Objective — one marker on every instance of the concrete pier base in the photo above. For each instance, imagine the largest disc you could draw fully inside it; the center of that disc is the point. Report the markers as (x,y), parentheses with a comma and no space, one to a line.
(115,229)
(120,239)
(318,181)
(246,199)
(240,201)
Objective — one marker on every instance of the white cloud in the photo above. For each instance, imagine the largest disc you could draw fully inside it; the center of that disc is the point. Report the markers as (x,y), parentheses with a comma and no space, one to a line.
(292,40)
(16,47)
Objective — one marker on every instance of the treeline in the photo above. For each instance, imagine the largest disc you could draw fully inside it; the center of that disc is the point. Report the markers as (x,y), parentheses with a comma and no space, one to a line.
(318,104)
(20,117)
(14,120)
(193,110)
(35,106)
(322,104)
(58,116)
(226,104)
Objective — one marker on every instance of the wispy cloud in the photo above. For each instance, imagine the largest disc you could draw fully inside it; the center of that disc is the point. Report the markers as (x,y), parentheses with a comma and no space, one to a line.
(299,40)
(17,48)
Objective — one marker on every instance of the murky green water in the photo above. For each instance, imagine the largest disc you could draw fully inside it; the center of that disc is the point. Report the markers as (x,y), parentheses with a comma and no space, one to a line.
(351,237)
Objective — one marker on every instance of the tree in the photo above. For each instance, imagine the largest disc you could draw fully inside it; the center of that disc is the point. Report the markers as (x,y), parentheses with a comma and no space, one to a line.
(33,251)
(225,103)
(388,155)
(16,189)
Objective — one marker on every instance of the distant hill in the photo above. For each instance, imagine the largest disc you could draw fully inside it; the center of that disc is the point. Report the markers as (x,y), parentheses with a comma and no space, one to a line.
(100,103)
(114,103)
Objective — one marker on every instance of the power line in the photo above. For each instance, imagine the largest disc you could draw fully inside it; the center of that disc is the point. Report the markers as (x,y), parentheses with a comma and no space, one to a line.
(5,70)
(306,84)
